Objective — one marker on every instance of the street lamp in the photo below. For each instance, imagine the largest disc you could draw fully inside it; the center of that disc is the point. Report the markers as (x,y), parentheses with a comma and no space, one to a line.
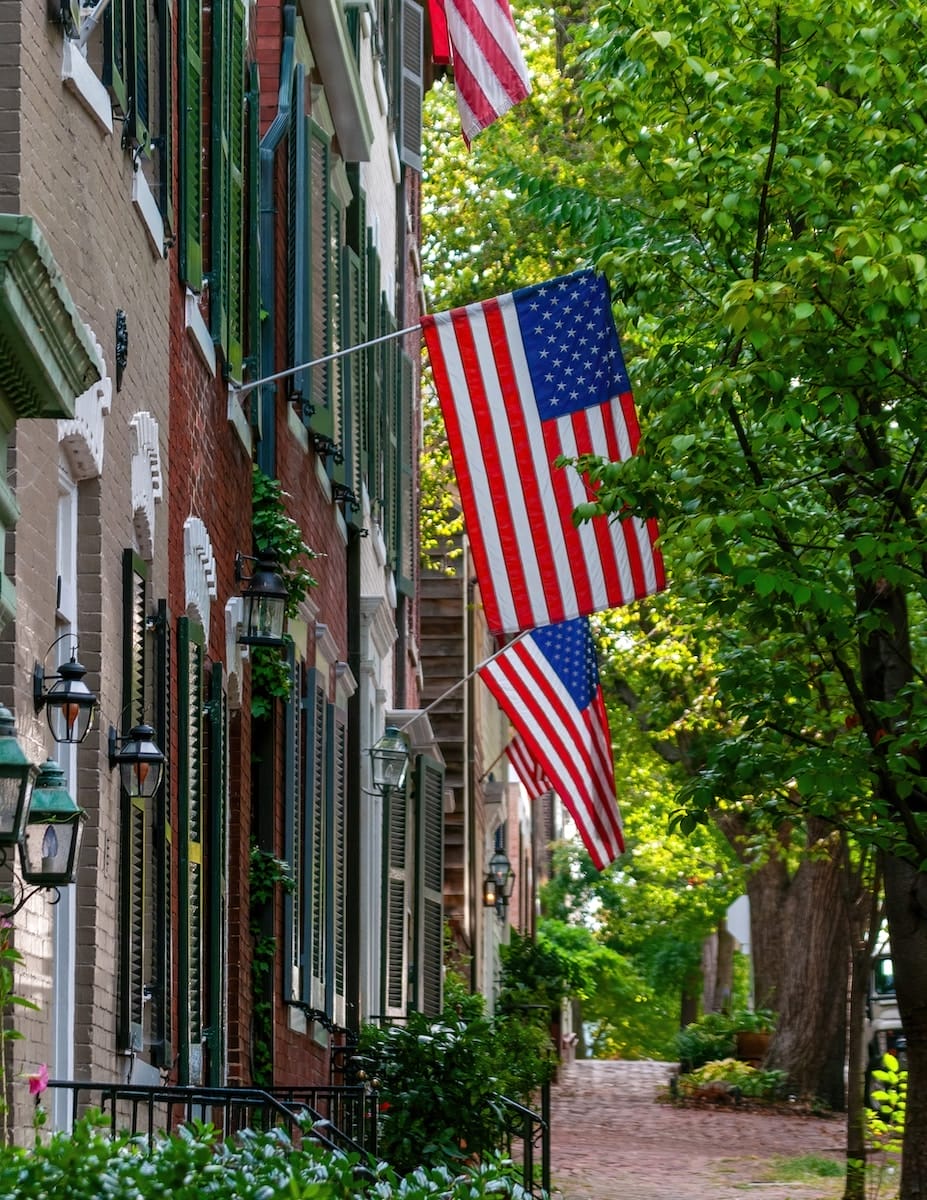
(17,776)
(140,761)
(48,851)
(389,760)
(69,704)
(265,598)
(499,882)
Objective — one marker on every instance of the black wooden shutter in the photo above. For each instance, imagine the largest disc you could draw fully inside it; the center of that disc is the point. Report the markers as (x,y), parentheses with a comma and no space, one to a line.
(317,839)
(190,820)
(397,901)
(429,899)
(411,87)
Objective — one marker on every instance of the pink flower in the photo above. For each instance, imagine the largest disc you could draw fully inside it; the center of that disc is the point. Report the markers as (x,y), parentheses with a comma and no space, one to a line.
(39,1081)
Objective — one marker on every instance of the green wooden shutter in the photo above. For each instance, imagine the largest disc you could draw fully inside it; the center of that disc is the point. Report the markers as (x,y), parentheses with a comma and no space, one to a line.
(298,306)
(190,821)
(320,280)
(294,835)
(347,472)
(216,870)
(337,858)
(139,79)
(190,100)
(370,450)
(411,85)
(253,239)
(166,113)
(220,173)
(317,839)
(116,52)
(234,248)
(135,965)
(162,832)
(395,947)
(429,899)
(405,510)
(389,412)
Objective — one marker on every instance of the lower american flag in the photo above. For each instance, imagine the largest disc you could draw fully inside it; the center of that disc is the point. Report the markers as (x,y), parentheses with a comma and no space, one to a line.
(530,771)
(547,682)
(522,379)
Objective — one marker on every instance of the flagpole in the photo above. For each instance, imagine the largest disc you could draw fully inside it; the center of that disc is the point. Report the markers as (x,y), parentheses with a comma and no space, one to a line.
(421,712)
(244,388)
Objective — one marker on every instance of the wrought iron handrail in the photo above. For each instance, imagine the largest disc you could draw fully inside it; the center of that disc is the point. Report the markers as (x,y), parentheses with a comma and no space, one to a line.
(351,1110)
(533,1131)
(140,1108)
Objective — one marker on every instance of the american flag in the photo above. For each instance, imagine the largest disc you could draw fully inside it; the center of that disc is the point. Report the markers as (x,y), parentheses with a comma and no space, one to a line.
(547,682)
(521,379)
(529,770)
(489,72)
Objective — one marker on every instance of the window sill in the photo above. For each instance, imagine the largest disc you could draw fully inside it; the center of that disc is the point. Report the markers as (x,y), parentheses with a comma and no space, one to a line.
(79,77)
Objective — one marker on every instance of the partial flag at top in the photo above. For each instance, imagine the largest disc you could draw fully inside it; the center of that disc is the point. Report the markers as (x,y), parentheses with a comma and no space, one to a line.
(522,379)
(489,72)
(547,682)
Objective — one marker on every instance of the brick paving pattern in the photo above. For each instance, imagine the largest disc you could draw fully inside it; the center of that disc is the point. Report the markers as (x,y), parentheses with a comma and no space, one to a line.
(611,1140)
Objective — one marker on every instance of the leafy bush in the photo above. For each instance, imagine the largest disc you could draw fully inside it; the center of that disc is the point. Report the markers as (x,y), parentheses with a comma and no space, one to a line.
(753,1082)
(440,1081)
(194,1164)
(708,1039)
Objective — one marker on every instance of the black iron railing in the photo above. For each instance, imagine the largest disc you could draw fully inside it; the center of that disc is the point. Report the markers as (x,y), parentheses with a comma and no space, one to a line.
(139,1109)
(529,1132)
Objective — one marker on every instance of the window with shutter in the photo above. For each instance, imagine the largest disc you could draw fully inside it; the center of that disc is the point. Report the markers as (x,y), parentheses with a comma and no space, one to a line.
(294,915)
(317,836)
(370,429)
(389,418)
(322,281)
(190,96)
(411,86)
(396,914)
(216,875)
(337,858)
(347,471)
(190,821)
(404,513)
(137,967)
(253,285)
(297,241)
(429,898)
(227,208)
(162,837)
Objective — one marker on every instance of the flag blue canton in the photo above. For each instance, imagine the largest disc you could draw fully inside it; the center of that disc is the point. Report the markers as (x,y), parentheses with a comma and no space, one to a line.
(570,650)
(571,344)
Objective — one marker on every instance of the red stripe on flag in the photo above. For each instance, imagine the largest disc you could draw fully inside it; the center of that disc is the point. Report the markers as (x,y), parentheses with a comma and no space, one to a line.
(502,67)
(601,526)
(527,480)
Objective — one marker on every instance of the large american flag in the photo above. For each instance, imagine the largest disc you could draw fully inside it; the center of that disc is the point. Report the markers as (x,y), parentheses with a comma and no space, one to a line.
(489,72)
(521,379)
(529,770)
(547,682)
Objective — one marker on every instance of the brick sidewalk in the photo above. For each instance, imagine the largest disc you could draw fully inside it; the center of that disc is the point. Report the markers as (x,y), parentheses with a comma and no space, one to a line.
(611,1140)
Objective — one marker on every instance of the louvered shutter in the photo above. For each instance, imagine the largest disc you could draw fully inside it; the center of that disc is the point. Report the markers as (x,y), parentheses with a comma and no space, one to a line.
(410,105)
(397,902)
(216,876)
(116,19)
(190,820)
(254,217)
(317,838)
(298,306)
(294,835)
(320,283)
(166,113)
(389,414)
(139,79)
(405,510)
(370,451)
(234,247)
(190,102)
(338,858)
(136,925)
(220,173)
(162,836)
(347,470)
(429,899)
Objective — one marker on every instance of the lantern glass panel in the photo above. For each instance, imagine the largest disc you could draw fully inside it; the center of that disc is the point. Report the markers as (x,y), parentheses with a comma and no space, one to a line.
(49,851)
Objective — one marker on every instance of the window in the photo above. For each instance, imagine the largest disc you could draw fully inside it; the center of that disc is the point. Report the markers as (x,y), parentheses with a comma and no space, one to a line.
(144,993)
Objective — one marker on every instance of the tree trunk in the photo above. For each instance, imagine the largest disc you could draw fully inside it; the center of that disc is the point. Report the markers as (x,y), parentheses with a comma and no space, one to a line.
(800,951)
(906,909)
(856,1076)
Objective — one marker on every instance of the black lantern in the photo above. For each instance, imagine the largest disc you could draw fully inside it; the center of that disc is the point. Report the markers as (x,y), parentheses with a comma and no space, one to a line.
(17,775)
(500,871)
(389,758)
(69,704)
(140,761)
(265,598)
(48,851)
(490,892)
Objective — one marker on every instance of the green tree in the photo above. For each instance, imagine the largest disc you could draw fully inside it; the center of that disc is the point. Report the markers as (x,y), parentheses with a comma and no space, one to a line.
(773,283)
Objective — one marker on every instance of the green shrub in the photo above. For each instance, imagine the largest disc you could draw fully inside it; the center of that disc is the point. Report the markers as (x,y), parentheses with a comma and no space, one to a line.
(752,1082)
(708,1039)
(194,1164)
